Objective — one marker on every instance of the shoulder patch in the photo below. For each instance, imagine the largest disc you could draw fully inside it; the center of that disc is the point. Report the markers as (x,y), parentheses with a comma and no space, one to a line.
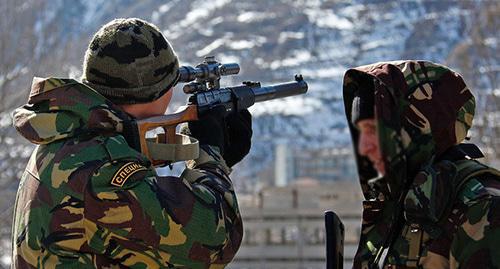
(128,169)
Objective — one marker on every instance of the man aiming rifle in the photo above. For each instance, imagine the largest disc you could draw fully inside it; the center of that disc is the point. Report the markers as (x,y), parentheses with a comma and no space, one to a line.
(90,196)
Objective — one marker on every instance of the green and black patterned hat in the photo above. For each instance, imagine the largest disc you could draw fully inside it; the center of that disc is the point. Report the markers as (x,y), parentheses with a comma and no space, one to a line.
(129,61)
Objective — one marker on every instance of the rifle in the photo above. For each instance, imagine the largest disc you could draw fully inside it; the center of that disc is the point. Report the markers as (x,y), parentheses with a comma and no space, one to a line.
(205,93)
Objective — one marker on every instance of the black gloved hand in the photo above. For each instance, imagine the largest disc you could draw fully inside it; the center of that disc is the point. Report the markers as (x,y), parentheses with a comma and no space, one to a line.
(209,129)
(239,137)
(232,135)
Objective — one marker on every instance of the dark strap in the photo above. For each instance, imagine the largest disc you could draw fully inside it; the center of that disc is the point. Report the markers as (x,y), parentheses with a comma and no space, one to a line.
(131,133)
(394,229)
(467,169)
(461,152)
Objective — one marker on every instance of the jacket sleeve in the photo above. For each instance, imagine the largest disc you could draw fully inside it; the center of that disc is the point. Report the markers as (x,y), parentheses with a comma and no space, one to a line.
(475,244)
(157,222)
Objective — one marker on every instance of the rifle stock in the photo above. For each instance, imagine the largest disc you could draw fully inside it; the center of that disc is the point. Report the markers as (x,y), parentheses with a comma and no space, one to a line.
(168,123)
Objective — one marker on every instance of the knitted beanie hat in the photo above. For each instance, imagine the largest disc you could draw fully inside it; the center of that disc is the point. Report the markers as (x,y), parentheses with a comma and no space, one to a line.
(129,61)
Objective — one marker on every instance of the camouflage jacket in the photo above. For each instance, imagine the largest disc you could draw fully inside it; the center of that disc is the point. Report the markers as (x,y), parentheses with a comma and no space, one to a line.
(88,200)
(444,219)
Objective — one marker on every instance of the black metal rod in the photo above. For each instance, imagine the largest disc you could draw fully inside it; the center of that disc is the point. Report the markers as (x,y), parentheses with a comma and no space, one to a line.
(279,91)
(334,241)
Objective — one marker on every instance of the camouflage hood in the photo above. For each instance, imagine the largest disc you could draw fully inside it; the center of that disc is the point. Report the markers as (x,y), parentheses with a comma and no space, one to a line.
(421,109)
(63,108)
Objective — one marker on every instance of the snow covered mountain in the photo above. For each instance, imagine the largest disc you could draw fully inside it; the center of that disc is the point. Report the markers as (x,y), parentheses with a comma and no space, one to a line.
(271,40)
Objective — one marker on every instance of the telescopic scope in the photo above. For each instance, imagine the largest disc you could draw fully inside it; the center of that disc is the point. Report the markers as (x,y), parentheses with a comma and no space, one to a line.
(207,70)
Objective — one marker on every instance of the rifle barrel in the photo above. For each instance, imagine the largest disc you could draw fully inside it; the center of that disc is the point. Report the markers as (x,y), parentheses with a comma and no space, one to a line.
(279,91)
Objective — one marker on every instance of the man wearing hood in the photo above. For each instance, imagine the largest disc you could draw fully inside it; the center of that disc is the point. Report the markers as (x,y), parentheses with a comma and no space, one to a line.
(89,199)
(429,203)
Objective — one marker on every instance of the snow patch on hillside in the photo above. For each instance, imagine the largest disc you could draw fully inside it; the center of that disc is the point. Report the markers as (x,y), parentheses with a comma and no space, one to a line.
(295,105)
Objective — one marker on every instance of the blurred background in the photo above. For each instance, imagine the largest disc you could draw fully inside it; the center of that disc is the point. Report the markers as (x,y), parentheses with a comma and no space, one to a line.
(301,158)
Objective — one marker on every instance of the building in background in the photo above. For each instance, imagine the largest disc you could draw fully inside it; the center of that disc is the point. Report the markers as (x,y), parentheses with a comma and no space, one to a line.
(284,226)
(325,164)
